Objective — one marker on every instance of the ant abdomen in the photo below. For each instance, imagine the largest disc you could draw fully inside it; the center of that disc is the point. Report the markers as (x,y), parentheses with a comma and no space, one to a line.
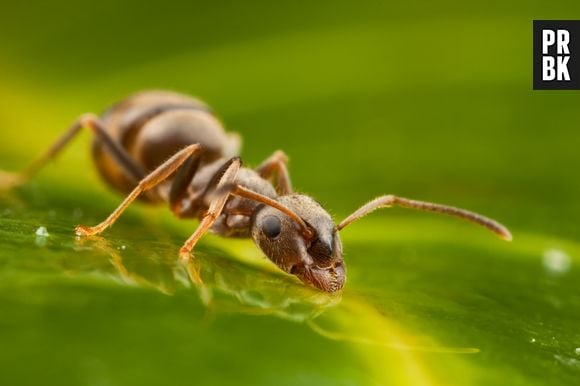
(152,126)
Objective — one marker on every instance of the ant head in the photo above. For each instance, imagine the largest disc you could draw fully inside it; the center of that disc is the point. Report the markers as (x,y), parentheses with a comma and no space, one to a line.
(297,234)
(314,253)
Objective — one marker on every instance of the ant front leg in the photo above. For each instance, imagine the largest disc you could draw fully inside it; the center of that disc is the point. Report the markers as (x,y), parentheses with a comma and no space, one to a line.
(90,121)
(216,207)
(150,181)
(275,165)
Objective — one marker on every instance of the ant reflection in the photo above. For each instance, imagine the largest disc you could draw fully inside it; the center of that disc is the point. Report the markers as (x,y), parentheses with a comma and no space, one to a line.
(224,285)
(228,286)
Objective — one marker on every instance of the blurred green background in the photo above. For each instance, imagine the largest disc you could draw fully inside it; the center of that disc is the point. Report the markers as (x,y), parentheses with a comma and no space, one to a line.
(429,100)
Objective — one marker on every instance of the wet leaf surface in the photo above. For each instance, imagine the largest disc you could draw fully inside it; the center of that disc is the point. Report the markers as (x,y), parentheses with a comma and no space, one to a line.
(425,300)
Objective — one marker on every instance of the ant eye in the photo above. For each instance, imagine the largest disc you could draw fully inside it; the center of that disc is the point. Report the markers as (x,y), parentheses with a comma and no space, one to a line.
(271,227)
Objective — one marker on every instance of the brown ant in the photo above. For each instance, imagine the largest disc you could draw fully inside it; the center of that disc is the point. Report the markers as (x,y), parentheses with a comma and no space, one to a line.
(162,146)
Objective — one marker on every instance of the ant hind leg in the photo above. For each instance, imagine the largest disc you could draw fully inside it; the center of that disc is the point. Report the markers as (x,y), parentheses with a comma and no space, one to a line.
(91,121)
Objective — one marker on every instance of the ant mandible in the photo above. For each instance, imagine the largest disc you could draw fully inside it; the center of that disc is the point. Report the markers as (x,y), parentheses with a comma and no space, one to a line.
(161,146)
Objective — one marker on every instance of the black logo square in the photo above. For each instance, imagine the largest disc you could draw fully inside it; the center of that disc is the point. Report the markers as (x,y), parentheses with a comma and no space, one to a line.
(556,54)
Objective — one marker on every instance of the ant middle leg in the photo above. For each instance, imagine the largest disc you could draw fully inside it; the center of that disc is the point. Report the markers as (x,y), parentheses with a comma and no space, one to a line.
(215,207)
(157,176)
(275,166)
(90,121)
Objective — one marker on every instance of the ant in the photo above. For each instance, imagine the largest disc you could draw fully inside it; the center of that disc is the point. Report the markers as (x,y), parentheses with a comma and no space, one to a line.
(161,146)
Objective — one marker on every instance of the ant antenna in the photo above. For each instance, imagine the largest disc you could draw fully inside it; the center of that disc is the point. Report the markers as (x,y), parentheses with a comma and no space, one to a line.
(390,200)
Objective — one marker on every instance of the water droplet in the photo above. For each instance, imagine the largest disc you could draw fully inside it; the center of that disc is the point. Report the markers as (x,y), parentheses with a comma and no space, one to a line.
(556,261)
(577,351)
(533,340)
(41,236)
(42,232)
(122,247)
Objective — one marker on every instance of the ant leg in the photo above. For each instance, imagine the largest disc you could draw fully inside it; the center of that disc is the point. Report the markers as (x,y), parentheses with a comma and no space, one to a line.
(215,207)
(276,165)
(158,175)
(181,182)
(90,121)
